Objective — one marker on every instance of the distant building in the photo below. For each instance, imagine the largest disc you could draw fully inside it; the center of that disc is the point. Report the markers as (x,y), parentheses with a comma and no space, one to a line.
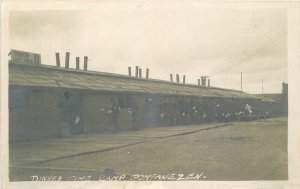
(280,98)
(52,101)
(285,96)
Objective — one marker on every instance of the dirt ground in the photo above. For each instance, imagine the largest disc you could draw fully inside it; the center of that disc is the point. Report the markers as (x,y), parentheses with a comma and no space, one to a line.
(240,151)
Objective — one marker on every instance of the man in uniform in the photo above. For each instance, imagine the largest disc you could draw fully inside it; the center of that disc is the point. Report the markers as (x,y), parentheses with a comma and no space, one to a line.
(134,114)
(115,111)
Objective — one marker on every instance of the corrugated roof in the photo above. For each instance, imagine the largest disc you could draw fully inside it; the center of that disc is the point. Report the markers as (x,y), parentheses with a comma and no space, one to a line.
(51,76)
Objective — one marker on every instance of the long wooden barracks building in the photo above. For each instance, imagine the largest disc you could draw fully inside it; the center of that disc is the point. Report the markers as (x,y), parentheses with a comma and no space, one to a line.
(55,101)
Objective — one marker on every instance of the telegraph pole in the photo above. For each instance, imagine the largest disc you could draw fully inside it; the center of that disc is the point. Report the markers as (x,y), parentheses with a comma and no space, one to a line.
(262,86)
(241,81)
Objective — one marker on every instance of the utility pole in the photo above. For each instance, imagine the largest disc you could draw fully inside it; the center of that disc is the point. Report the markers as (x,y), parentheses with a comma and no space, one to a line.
(241,81)
(262,86)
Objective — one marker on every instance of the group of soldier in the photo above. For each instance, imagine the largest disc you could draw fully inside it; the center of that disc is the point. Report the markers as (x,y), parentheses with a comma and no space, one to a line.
(196,114)
(178,114)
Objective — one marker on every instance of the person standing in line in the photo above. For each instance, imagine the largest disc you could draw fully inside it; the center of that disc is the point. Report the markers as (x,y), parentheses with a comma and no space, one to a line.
(115,111)
(134,115)
(75,128)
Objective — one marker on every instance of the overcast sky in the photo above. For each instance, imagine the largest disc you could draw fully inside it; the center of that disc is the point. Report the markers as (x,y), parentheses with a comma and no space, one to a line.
(191,41)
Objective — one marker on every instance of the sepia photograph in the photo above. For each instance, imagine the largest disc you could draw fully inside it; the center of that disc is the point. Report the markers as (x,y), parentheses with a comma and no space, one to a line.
(148,91)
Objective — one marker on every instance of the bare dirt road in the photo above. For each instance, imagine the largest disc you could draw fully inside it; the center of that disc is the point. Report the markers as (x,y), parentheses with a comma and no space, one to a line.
(237,151)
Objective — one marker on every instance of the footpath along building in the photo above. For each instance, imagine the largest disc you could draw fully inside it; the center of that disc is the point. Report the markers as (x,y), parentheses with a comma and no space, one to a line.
(47,101)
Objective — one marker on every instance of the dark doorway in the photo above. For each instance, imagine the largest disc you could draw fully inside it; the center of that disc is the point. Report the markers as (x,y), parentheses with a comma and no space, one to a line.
(71,111)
